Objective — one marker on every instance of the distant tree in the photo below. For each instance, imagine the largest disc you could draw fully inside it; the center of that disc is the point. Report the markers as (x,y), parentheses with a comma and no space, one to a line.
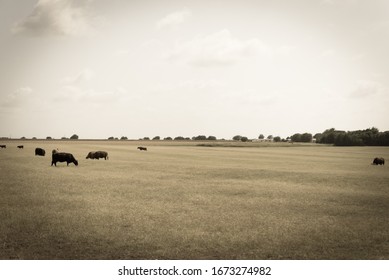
(244,139)
(33,138)
(111,138)
(74,137)
(23,138)
(64,138)
(123,138)
(212,138)
(328,136)
(200,138)
(277,139)
(146,138)
(49,138)
(157,138)
(179,138)
(305,137)
(270,137)
(296,137)
(167,138)
(317,136)
(261,136)
(237,138)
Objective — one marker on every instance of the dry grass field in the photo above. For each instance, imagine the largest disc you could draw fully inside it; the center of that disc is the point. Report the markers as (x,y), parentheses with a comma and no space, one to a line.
(183,201)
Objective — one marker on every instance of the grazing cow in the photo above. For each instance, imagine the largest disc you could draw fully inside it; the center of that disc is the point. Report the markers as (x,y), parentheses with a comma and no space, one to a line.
(97,155)
(40,152)
(3,146)
(61,157)
(54,151)
(142,148)
(379,161)
(20,146)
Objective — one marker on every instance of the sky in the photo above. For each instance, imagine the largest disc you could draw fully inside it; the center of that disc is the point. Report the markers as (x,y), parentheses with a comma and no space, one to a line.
(141,68)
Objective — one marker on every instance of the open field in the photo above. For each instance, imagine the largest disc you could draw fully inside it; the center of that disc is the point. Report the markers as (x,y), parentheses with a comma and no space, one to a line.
(193,202)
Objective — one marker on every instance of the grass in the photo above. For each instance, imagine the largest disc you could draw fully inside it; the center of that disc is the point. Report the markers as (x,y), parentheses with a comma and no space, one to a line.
(184,201)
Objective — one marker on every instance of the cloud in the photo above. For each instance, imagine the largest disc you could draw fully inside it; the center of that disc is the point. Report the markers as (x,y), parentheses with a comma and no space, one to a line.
(83,76)
(366,88)
(18,97)
(56,18)
(91,96)
(188,85)
(337,2)
(219,48)
(327,53)
(174,19)
(77,89)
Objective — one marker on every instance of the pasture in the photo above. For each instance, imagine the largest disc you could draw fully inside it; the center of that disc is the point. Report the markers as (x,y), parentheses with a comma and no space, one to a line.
(182,201)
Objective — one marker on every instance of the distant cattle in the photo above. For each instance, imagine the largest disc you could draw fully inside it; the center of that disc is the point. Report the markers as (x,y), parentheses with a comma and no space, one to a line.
(20,146)
(63,157)
(379,161)
(97,155)
(3,146)
(40,152)
(142,148)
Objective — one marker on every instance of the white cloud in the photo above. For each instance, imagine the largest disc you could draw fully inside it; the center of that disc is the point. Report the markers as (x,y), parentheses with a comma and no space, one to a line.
(327,53)
(188,85)
(219,48)
(18,97)
(83,76)
(90,96)
(174,19)
(366,88)
(78,89)
(56,17)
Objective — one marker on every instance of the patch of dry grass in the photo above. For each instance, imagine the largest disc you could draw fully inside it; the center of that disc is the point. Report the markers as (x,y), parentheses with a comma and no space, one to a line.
(193,202)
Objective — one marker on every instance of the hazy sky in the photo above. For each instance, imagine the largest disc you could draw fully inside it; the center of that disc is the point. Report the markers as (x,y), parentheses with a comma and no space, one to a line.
(102,68)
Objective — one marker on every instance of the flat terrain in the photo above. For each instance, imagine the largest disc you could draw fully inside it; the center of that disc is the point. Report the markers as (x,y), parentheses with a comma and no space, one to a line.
(184,201)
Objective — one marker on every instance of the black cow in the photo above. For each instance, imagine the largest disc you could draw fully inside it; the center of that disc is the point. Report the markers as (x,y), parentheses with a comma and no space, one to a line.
(142,148)
(379,161)
(40,152)
(61,157)
(20,146)
(97,155)
(54,151)
(3,146)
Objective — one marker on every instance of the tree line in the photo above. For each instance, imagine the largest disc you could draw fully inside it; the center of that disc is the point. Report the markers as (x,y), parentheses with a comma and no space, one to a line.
(367,137)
